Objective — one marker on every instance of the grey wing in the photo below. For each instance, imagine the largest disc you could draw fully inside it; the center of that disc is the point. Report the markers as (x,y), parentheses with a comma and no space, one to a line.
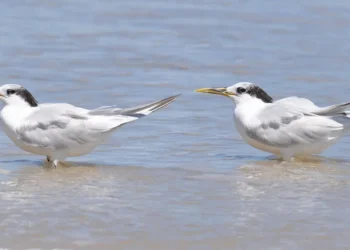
(306,105)
(60,126)
(339,113)
(334,110)
(136,112)
(301,104)
(281,125)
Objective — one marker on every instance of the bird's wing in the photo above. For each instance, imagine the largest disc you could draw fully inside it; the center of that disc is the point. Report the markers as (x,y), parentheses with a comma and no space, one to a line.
(334,110)
(59,126)
(284,125)
(301,104)
(338,112)
(135,112)
(308,106)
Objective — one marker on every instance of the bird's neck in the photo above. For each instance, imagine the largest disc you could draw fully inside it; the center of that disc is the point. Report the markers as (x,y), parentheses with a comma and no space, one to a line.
(13,114)
(247,110)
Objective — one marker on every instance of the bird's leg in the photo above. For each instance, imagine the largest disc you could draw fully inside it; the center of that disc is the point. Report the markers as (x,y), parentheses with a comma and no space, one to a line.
(287,156)
(48,159)
(55,163)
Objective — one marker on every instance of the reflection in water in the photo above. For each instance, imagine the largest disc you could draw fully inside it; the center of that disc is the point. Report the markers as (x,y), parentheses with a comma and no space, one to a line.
(86,204)
(285,197)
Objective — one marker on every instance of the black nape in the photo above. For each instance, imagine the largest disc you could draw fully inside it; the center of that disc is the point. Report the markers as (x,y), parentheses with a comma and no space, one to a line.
(260,94)
(27,96)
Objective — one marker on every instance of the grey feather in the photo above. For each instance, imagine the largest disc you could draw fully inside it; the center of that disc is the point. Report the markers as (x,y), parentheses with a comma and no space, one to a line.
(283,124)
(138,111)
(338,109)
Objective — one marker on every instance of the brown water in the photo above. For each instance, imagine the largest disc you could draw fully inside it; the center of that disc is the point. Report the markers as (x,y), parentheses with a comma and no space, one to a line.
(181,178)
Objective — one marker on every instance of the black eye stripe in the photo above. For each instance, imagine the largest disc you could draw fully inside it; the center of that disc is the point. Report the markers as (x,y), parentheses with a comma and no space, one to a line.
(24,94)
(241,90)
(11,91)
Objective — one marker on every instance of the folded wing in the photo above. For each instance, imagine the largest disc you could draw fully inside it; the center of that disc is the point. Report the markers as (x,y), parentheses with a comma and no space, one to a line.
(60,126)
(286,124)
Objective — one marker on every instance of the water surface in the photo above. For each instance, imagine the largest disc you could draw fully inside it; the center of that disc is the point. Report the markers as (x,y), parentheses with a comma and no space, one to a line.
(181,178)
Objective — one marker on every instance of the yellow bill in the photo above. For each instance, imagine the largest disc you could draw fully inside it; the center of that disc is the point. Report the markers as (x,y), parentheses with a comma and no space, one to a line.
(215,91)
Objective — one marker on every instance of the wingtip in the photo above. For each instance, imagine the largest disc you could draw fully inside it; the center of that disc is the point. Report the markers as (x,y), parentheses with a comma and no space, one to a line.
(165,102)
(176,96)
(173,98)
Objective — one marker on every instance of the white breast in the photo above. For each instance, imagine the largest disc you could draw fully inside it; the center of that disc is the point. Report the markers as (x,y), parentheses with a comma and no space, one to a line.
(11,117)
(244,120)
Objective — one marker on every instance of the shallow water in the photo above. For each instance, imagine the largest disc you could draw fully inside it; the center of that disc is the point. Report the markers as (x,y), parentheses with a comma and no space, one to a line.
(181,178)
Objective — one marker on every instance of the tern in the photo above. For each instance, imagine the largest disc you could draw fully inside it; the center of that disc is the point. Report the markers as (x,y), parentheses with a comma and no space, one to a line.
(290,128)
(61,130)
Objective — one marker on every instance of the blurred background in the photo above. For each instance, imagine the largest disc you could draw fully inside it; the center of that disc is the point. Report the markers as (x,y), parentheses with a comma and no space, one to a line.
(181,178)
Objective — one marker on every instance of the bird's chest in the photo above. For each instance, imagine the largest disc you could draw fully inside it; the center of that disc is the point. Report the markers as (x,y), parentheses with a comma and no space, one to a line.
(243,129)
(246,119)
(243,121)
(11,118)
(247,134)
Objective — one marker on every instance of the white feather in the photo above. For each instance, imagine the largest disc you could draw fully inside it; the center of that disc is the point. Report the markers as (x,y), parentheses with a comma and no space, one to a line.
(61,130)
(291,126)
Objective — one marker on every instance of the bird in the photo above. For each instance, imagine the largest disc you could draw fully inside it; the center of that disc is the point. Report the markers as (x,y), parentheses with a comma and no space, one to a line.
(289,128)
(61,130)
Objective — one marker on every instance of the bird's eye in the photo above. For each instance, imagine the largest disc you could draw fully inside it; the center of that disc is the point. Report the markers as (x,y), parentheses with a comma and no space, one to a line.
(10,91)
(241,90)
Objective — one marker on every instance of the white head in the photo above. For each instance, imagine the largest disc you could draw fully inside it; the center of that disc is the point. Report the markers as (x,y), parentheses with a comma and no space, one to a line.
(14,94)
(240,92)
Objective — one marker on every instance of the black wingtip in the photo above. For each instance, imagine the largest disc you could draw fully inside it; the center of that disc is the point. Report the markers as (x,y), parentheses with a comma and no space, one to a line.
(172,97)
(164,102)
